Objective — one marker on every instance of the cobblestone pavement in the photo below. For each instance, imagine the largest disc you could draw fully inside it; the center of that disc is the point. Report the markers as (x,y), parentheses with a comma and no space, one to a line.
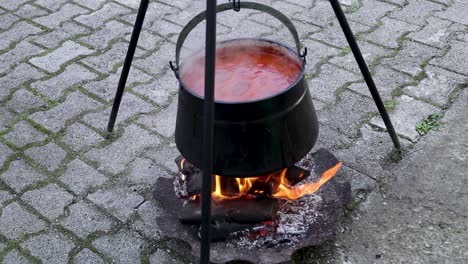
(69,194)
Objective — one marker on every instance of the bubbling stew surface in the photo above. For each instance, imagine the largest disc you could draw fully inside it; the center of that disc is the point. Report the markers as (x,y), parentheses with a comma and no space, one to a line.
(245,71)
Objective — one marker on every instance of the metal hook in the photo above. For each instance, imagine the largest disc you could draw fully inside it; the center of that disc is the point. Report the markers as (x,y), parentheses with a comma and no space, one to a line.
(175,69)
(236,5)
(304,54)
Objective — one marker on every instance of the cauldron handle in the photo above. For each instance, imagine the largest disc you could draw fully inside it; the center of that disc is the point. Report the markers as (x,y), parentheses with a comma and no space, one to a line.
(228,6)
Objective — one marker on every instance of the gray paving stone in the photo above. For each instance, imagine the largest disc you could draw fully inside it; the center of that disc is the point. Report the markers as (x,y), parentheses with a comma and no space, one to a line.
(370,12)
(359,181)
(23,101)
(163,122)
(50,201)
(321,14)
(156,11)
(129,3)
(416,12)
(369,51)
(316,53)
(7,118)
(66,31)
(346,116)
(80,177)
(51,5)
(165,28)
(123,247)
(330,78)
(5,153)
(86,256)
(55,118)
(160,90)
(390,31)
(131,106)
(158,62)
(79,136)
(11,5)
(98,18)
(162,257)
(410,58)
(7,20)
(23,134)
(21,29)
(20,175)
(4,196)
(119,202)
(52,62)
(51,247)
(437,86)
(386,80)
(50,156)
(333,35)
(148,41)
(66,12)
(331,139)
(84,220)
(436,33)
(455,59)
(15,222)
(14,257)
(19,75)
(147,223)
(456,13)
(30,11)
(111,30)
(407,114)
(54,87)
(106,88)
(144,171)
(92,4)
(164,155)
(107,61)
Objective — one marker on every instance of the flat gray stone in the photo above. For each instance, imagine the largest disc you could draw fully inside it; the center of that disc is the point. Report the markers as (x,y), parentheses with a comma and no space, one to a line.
(114,157)
(120,202)
(23,101)
(91,4)
(15,222)
(84,220)
(330,78)
(123,247)
(21,51)
(19,75)
(166,29)
(66,31)
(5,153)
(79,136)
(80,177)
(7,20)
(14,257)
(158,62)
(52,62)
(386,80)
(162,122)
(159,90)
(333,34)
(147,224)
(317,53)
(148,40)
(51,247)
(21,175)
(51,5)
(11,5)
(436,33)
(86,256)
(390,31)
(7,118)
(437,86)
(23,134)
(407,114)
(144,171)
(162,257)
(454,60)
(456,13)
(4,196)
(370,12)
(330,139)
(65,13)
(54,87)
(50,156)
(21,29)
(50,201)
(30,11)
(57,117)
(416,12)
(101,38)
(164,155)
(410,58)
(347,115)
(98,18)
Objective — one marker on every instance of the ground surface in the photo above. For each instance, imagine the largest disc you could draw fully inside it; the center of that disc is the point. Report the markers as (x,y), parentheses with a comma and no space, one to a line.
(68,194)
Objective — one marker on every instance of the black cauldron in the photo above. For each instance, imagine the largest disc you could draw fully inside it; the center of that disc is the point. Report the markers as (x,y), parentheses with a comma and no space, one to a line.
(255,137)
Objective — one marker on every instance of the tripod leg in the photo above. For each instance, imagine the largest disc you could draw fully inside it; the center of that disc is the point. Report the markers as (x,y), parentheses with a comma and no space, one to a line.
(365,72)
(127,64)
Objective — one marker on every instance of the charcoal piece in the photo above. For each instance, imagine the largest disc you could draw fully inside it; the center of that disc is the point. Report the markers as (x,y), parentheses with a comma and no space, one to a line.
(238,211)
(185,166)
(223,230)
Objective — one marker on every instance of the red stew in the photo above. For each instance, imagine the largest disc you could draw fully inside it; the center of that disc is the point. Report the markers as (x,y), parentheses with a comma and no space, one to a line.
(244,72)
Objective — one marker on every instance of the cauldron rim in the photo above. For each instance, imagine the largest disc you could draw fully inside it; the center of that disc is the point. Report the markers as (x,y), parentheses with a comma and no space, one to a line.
(291,86)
